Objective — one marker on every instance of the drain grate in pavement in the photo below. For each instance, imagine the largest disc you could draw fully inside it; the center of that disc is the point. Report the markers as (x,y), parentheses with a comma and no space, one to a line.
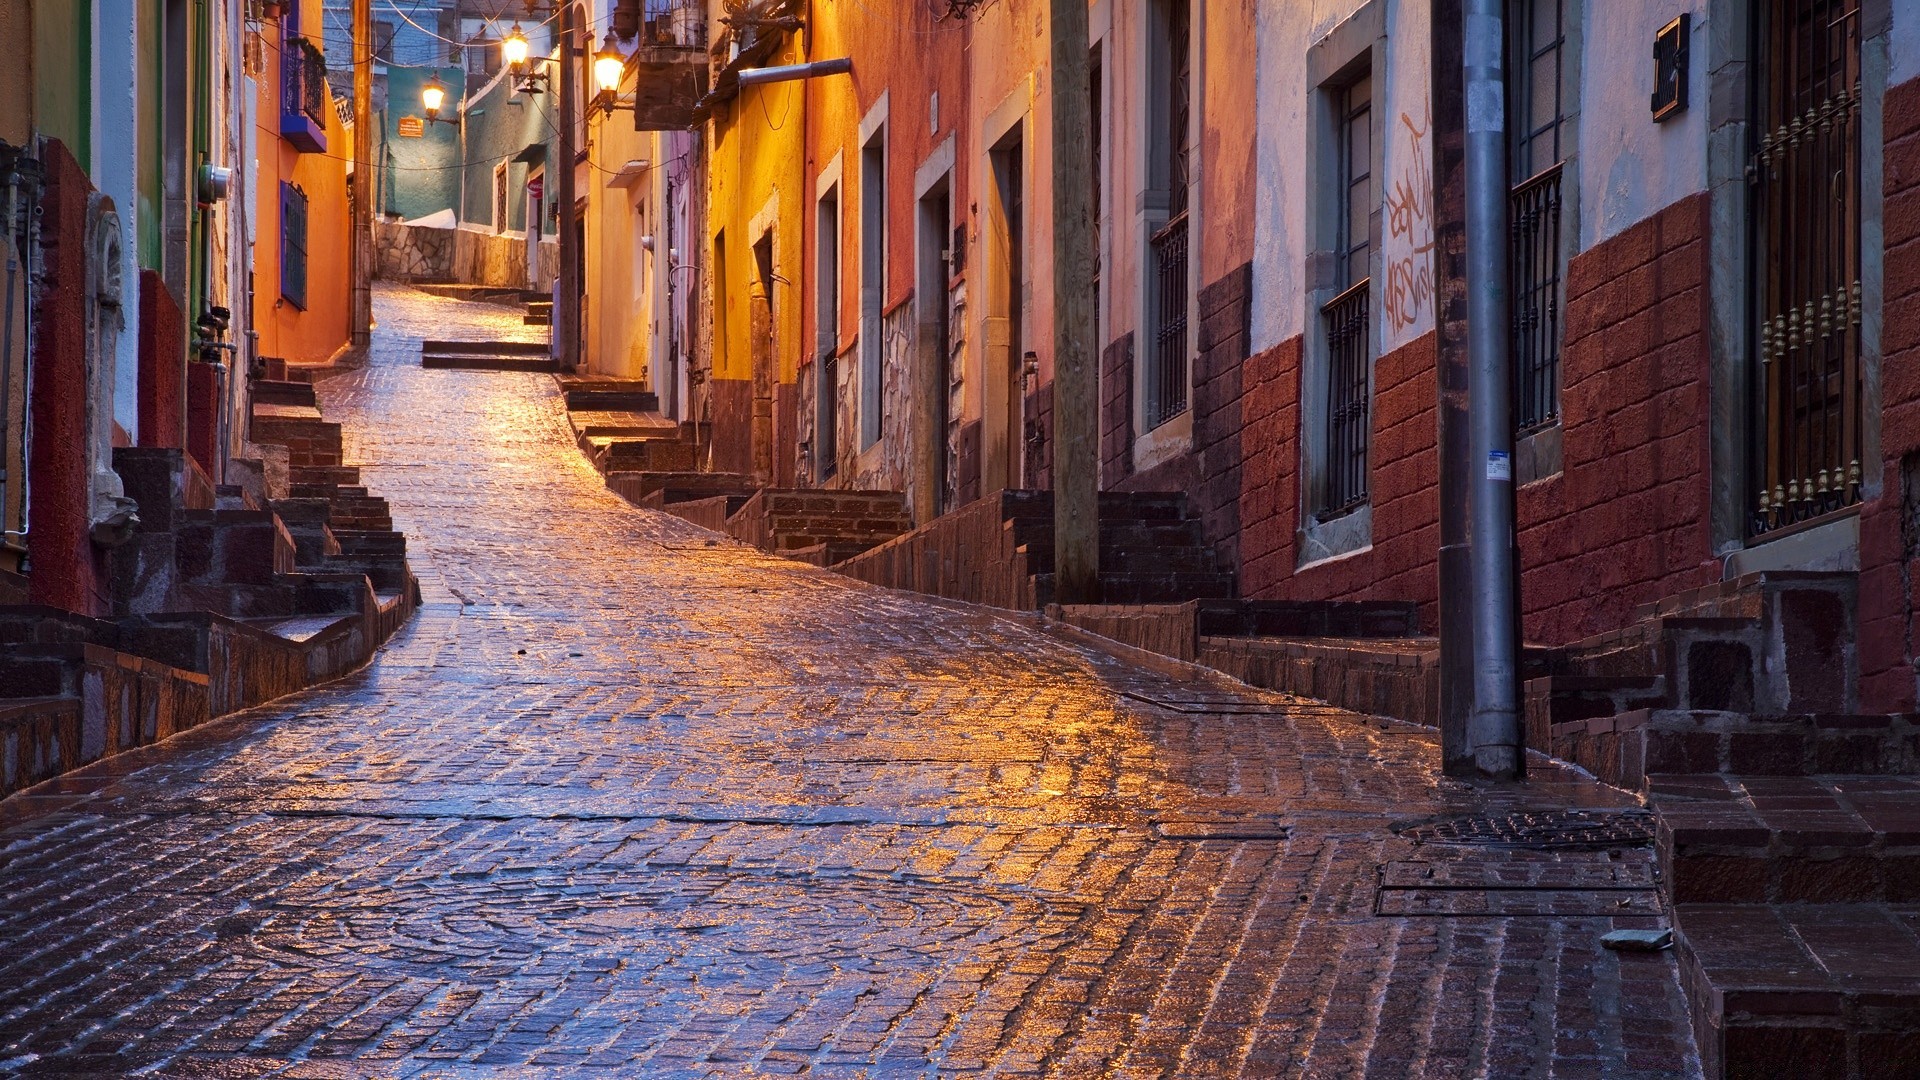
(1540,830)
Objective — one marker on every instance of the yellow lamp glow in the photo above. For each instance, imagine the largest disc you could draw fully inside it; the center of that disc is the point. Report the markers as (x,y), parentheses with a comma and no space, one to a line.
(608,66)
(514,49)
(432,95)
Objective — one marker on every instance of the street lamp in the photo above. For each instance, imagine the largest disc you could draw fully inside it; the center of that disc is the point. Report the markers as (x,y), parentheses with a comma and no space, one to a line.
(513,49)
(434,94)
(609,67)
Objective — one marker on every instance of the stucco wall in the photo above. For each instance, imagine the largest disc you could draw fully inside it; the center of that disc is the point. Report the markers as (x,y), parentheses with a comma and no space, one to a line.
(1630,166)
(420,174)
(499,124)
(315,333)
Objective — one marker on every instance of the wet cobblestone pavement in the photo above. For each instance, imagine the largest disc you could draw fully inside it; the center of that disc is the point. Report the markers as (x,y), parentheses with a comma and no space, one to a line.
(625,800)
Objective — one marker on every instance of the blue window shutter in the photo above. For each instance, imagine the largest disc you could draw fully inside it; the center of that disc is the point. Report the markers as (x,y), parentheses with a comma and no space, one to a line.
(293,245)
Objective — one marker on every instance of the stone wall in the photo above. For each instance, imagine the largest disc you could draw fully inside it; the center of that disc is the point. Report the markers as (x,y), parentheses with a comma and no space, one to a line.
(460,256)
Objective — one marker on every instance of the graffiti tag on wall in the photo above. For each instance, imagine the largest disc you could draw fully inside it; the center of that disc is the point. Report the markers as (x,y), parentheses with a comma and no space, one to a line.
(1409,270)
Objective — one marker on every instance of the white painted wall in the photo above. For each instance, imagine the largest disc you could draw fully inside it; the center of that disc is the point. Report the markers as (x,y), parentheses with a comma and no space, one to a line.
(114,165)
(1404,295)
(1906,42)
(1630,166)
(1285,29)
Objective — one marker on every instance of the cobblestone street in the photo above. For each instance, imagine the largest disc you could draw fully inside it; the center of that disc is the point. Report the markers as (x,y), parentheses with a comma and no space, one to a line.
(626,799)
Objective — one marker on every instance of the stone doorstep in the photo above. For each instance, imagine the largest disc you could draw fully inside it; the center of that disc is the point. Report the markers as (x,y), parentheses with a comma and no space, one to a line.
(489,363)
(486,348)
(1771,839)
(1623,748)
(1829,990)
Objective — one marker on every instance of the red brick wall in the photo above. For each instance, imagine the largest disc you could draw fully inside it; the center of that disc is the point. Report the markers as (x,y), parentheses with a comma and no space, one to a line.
(162,364)
(203,417)
(1401,565)
(1628,519)
(66,570)
(1211,472)
(1888,597)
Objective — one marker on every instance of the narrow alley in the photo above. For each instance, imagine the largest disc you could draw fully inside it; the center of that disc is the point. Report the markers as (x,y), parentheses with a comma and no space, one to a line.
(627,799)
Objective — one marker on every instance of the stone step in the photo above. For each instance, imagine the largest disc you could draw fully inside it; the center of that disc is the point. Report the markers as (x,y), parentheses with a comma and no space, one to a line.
(486,348)
(283,392)
(1836,839)
(1147,588)
(595,400)
(1801,990)
(643,455)
(537,318)
(1626,748)
(371,541)
(489,362)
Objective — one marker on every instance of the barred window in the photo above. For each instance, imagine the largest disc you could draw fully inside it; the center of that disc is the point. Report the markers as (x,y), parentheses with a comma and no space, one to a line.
(1805,216)
(1537,122)
(1347,318)
(1168,374)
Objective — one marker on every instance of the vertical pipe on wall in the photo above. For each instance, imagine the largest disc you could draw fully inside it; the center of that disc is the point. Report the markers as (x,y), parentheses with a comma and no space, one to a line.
(1494,728)
(1076,460)
(1449,228)
(361,245)
(566,308)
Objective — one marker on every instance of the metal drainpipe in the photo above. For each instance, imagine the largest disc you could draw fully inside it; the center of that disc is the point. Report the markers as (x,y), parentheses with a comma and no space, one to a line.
(1494,726)
(8,225)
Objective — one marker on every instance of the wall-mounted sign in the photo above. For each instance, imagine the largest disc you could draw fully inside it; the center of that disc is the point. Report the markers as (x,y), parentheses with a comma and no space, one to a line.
(412,127)
(537,186)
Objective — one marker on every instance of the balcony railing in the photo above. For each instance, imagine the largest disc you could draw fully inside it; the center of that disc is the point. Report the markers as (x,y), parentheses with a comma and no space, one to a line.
(1534,266)
(1167,388)
(1349,356)
(304,97)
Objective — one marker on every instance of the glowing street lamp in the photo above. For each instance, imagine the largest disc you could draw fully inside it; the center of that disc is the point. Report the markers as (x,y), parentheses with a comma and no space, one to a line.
(513,49)
(433,95)
(608,66)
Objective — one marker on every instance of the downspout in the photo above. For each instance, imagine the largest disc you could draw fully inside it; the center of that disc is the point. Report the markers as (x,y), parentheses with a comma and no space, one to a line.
(1494,725)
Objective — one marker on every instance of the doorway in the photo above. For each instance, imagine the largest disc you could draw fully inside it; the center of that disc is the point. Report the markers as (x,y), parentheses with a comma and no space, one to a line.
(933,493)
(1006,301)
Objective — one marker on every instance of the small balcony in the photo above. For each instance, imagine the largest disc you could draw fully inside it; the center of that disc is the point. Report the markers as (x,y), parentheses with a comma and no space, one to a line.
(670,62)
(304,97)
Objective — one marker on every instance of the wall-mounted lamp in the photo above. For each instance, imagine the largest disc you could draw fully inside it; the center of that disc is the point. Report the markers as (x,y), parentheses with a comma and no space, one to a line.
(514,49)
(433,94)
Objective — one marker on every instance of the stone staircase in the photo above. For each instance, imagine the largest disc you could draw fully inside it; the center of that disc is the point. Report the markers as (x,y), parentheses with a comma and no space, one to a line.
(999,550)
(1788,823)
(816,525)
(539,313)
(489,355)
(224,597)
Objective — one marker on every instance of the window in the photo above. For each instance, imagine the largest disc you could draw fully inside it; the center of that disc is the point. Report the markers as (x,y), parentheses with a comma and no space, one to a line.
(293,245)
(1168,374)
(500,197)
(1536,127)
(1347,318)
(383,41)
(873,277)
(826,375)
(1805,215)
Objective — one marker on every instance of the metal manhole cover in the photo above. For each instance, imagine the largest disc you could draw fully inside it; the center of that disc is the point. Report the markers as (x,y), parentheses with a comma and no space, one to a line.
(1538,829)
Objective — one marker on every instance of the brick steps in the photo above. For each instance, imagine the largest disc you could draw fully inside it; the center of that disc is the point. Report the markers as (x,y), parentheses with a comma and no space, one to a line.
(656,489)
(784,520)
(1803,991)
(489,355)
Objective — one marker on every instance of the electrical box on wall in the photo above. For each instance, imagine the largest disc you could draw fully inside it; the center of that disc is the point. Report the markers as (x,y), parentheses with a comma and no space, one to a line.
(1670,68)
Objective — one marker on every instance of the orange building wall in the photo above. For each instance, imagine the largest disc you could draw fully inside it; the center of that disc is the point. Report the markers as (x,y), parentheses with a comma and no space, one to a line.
(316,334)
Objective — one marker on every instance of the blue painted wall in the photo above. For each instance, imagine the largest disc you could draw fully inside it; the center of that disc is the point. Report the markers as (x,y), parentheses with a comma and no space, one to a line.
(500,124)
(420,175)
